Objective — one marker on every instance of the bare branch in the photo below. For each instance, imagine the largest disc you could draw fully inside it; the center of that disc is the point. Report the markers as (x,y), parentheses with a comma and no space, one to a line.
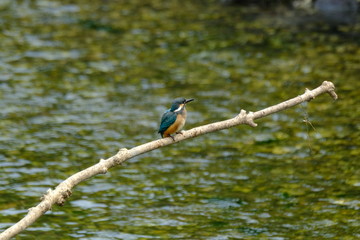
(63,190)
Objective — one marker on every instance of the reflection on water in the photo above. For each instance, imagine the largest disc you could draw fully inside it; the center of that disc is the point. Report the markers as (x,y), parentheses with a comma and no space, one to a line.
(81,80)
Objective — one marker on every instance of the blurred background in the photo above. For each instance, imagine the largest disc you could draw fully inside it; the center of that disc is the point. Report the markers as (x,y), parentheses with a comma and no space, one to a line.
(81,79)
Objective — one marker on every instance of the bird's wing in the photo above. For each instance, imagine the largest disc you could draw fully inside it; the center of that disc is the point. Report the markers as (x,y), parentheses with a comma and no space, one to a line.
(164,114)
(167,120)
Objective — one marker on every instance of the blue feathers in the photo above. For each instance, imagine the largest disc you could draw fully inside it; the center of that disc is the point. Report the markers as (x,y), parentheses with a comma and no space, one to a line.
(167,120)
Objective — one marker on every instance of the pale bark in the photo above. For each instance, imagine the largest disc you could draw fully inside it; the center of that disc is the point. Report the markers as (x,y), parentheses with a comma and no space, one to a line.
(63,190)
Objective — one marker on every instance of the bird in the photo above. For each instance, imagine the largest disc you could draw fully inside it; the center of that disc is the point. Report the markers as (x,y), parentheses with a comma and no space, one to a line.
(173,120)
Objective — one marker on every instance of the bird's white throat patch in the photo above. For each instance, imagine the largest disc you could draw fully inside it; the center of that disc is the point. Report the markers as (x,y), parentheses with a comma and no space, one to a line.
(179,108)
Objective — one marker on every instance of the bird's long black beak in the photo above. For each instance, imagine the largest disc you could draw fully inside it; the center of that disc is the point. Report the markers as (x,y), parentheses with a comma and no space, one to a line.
(189,100)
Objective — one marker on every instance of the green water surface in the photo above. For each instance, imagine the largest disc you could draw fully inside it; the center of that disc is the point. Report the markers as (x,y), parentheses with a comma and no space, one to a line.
(81,79)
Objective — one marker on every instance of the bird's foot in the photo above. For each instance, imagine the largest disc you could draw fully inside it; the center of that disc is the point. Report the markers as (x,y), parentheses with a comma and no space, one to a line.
(180,132)
(172,138)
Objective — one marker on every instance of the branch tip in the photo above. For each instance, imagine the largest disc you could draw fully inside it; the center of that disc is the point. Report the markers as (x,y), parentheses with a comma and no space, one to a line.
(330,89)
(333,95)
(328,84)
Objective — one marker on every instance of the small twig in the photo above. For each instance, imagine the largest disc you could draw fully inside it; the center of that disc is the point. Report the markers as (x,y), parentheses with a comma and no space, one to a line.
(309,123)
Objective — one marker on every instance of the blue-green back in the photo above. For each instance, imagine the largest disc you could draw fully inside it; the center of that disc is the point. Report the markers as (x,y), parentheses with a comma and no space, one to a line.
(167,120)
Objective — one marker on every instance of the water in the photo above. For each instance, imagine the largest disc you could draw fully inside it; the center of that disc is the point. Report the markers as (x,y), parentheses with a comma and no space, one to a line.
(81,80)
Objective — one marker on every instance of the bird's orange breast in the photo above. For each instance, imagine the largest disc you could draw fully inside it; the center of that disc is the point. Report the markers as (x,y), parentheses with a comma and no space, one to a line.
(177,125)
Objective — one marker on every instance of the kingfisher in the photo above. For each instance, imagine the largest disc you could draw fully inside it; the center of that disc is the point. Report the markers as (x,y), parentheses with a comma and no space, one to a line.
(173,120)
